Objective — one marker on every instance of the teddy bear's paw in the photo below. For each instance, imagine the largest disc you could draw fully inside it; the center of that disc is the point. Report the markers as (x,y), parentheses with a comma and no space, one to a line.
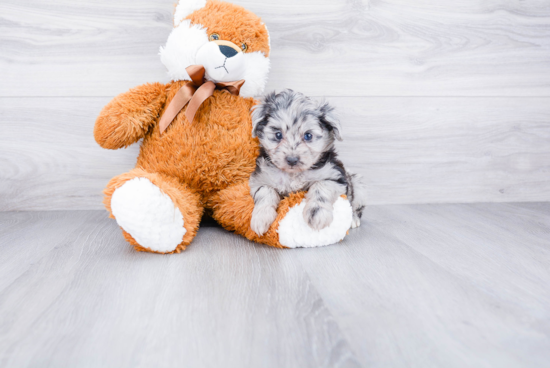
(148,215)
(294,231)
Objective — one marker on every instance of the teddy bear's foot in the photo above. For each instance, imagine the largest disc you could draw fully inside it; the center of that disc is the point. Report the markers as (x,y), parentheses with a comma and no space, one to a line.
(294,232)
(148,215)
(233,209)
(155,214)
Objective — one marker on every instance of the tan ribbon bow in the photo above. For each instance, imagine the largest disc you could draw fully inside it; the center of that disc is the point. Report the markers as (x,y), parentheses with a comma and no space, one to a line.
(195,93)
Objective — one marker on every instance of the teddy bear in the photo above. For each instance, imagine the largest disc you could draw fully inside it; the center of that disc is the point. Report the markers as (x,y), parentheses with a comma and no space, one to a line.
(197,151)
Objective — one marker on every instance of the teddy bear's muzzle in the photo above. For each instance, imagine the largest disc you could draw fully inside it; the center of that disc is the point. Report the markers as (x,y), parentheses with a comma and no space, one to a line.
(223,61)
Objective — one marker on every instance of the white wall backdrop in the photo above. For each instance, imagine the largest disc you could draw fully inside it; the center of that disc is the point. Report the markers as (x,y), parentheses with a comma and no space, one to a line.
(442,101)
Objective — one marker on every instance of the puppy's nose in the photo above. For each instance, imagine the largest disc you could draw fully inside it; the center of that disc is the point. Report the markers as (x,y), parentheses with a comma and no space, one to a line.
(292,160)
(228,51)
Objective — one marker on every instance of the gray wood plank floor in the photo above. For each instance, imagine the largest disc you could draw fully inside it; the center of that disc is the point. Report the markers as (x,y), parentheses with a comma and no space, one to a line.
(417,285)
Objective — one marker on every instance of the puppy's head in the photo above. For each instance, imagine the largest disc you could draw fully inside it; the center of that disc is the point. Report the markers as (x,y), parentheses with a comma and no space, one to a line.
(294,130)
(231,43)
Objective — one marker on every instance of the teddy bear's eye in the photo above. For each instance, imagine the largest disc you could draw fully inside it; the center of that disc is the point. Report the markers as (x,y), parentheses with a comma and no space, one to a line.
(244,47)
(214,37)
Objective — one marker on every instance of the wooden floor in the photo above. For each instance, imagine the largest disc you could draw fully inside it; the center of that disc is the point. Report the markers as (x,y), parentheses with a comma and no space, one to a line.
(458,285)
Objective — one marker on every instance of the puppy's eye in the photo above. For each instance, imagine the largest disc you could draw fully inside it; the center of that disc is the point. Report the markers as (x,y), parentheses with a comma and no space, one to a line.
(308,137)
(214,37)
(244,47)
(279,135)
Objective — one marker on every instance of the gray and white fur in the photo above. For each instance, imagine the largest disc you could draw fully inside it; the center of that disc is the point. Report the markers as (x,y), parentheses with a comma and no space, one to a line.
(297,153)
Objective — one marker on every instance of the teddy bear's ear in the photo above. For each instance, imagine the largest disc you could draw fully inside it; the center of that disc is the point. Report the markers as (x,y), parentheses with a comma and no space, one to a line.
(186,7)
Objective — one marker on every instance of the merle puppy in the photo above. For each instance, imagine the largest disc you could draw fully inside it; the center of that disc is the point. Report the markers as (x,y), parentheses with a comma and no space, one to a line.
(297,154)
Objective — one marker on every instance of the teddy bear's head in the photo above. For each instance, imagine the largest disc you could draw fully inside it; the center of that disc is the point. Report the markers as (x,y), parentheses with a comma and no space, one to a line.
(231,43)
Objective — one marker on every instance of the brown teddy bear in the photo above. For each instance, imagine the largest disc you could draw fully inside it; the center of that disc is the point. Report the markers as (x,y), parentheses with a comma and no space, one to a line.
(198,151)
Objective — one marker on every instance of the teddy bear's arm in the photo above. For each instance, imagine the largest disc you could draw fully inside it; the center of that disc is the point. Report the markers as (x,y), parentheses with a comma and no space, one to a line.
(129,116)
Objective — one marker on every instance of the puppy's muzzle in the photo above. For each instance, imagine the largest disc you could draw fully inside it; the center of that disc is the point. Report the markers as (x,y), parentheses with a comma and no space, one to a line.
(292,161)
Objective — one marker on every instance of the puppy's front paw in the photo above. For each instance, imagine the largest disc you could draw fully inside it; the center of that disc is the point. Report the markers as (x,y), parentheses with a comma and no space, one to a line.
(356,222)
(262,218)
(317,217)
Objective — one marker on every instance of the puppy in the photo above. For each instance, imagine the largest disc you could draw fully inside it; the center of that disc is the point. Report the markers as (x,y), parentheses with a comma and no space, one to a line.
(297,154)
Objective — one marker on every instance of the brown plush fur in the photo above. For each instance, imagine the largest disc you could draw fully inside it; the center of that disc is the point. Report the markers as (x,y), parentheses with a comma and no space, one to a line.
(215,151)
(201,165)
(233,23)
(128,117)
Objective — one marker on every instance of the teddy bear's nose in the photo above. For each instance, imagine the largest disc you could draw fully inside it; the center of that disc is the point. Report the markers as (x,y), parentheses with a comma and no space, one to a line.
(228,51)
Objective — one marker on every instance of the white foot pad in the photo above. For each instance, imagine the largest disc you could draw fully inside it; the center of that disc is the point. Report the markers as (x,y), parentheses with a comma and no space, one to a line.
(149,215)
(294,232)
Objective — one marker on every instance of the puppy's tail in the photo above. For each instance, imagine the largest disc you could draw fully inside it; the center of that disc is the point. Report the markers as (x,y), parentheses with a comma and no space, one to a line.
(356,196)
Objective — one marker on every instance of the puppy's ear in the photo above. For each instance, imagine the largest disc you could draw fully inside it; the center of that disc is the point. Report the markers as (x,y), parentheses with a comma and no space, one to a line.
(261,114)
(329,120)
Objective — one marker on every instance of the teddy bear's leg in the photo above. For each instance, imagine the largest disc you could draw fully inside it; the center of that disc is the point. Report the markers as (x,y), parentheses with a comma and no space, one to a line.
(233,206)
(156,212)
